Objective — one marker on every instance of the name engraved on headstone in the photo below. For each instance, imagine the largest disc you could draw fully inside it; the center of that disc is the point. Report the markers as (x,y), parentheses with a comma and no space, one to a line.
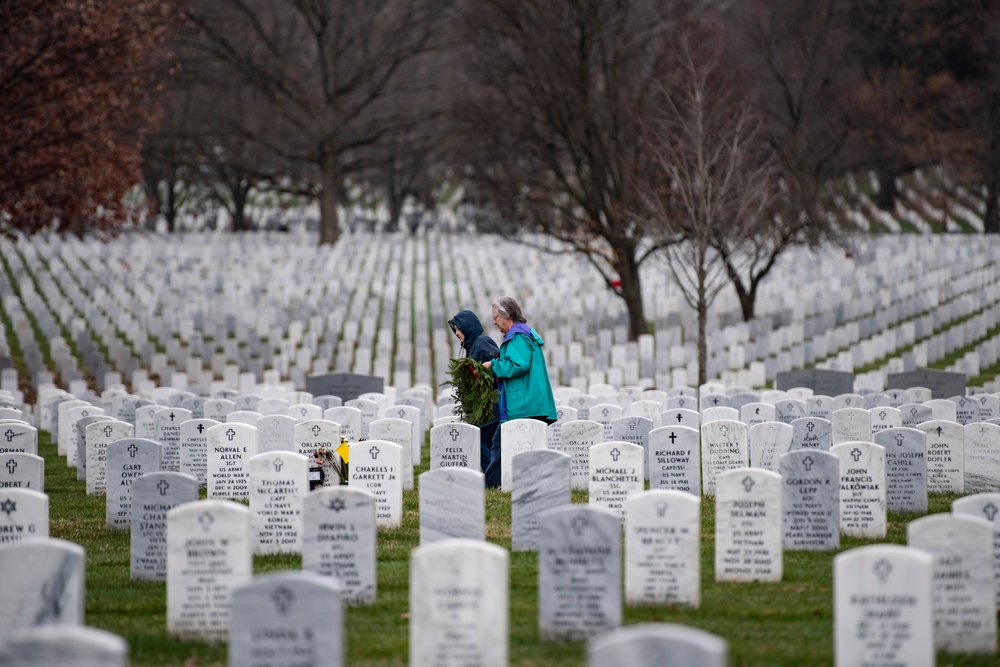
(375,467)
(230,447)
(882,606)
(338,540)
(615,474)
(128,460)
(153,495)
(862,489)
(579,572)
(811,483)
(208,554)
(748,511)
(662,548)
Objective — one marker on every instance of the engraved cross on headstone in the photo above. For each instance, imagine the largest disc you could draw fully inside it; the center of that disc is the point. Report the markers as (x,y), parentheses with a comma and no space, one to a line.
(810,426)
(899,439)
(163,486)
(454,433)
(615,453)
(206,520)
(9,434)
(882,569)
(374,452)
(673,437)
(748,484)
(808,463)
(201,427)
(108,431)
(282,599)
(230,433)
(172,416)
(316,430)
(132,449)
(579,524)
(856,454)
(990,510)
(680,418)
(278,463)
(11,466)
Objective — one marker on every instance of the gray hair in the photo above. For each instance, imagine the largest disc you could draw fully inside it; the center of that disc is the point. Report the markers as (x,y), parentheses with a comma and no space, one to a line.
(508,309)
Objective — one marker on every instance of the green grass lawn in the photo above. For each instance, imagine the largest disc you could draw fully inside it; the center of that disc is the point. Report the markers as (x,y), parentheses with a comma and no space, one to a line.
(787,623)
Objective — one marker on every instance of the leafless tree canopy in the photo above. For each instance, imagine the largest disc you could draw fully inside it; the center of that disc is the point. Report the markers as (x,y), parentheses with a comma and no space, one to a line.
(557,96)
(325,80)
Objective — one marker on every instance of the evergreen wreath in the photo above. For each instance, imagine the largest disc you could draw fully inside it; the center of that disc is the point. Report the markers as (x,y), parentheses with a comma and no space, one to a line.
(475,389)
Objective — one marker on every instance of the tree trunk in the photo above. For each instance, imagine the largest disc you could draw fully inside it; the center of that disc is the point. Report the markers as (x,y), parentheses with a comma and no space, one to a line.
(240,195)
(395,209)
(631,290)
(329,220)
(702,341)
(886,199)
(170,214)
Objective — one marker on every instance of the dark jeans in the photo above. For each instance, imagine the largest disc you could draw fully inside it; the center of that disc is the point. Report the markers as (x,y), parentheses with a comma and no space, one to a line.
(493,473)
(486,433)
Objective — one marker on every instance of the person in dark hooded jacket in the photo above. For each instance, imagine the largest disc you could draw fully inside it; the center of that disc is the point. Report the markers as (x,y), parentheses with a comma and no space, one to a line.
(477,345)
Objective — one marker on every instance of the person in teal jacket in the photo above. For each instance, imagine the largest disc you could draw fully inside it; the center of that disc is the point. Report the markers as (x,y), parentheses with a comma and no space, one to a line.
(525,390)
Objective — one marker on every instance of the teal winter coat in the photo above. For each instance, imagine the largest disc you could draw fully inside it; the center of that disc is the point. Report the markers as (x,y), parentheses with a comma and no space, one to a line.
(525,390)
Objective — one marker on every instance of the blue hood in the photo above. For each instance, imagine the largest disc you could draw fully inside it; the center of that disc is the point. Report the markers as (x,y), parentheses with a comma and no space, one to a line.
(468,323)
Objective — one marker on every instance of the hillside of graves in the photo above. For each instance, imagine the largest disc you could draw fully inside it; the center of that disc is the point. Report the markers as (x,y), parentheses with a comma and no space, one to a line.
(237,449)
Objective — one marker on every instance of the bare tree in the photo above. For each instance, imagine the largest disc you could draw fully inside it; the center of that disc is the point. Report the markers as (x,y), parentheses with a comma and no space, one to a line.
(557,94)
(717,183)
(326,77)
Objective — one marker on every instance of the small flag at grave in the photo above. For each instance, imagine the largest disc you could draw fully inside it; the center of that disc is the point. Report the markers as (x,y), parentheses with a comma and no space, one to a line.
(344,449)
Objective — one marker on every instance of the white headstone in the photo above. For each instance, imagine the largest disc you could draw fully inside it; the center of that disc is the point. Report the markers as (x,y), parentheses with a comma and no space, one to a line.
(279,481)
(663,548)
(748,526)
(882,607)
(459,604)
(964,604)
(208,555)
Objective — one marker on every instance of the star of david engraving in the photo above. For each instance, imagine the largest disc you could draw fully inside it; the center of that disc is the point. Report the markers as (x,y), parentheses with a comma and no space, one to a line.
(337,504)
(8,507)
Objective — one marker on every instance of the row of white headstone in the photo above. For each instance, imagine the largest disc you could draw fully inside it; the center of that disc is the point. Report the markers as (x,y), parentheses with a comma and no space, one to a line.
(756,571)
(387,313)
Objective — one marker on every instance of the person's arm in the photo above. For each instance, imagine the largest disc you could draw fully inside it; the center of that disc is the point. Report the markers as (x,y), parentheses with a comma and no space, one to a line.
(516,360)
